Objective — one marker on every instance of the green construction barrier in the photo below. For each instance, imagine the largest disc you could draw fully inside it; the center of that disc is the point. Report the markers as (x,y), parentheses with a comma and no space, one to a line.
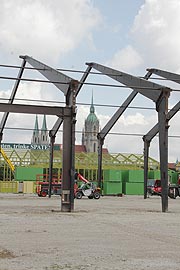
(134,176)
(133,188)
(154,174)
(173,177)
(112,175)
(27,173)
(112,188)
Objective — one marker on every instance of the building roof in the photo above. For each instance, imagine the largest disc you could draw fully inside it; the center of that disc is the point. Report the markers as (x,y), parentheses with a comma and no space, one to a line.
(80,148)
(105,151)
(172,166)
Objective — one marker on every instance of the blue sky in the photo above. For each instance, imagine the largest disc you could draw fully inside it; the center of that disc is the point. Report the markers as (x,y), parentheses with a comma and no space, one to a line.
(129,35)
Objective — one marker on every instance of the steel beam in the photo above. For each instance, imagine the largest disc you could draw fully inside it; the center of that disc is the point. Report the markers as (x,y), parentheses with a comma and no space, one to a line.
(162,109)
(144,87)
(54,130)
(109,125)
(70,88)
(107,128)
(153,132)
(59,121)
(147,140)
(99,172)
(146,158)
(159,94)
(83,79)
(51,156)
(165,74)
(35,109)
(117,114)
(11,99)
(67,201)
(60,80)
(68,114)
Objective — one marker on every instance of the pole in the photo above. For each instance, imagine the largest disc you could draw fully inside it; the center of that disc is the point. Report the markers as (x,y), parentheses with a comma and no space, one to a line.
(68,170)
(100,144)
(74,87)
(162,108)
(67,164)
(51,164)
(146,155)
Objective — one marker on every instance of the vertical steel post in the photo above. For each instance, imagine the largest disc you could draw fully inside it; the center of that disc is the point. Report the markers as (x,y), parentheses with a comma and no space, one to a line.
(146,155)
(74,87)
(99,175)
(162,108)
(68,170)
(67,164)
(51,163)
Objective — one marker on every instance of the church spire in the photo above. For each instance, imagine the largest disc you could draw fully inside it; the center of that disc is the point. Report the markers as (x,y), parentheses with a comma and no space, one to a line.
(92,109)
(40,136)
(36,126)
(90,131)
(44,125)
(35,137)
(44,132)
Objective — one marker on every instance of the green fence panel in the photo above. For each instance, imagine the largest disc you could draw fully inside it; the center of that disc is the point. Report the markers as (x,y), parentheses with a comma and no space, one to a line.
(133,188)
(136,176)
(125,175)
(113,175)
(173,177)
(27,173)
(112,188)
(156,174)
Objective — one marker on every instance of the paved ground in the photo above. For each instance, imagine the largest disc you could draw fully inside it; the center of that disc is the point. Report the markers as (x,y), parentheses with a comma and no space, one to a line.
(111,233)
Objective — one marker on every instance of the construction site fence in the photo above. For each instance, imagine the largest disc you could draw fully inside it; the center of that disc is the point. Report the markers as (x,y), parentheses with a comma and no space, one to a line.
(17,187)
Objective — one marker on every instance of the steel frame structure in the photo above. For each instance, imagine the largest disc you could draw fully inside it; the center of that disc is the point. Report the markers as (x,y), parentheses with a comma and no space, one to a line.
(159,94)
(61,81)
(69,88)
(67,113)
(154,131)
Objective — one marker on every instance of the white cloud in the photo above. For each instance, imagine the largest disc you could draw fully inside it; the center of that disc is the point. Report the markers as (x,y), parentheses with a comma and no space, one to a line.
(155,42)
(135,119)
(126,59)
(48,30)
(155,39)
(45,29)
(156,33)
(25,93)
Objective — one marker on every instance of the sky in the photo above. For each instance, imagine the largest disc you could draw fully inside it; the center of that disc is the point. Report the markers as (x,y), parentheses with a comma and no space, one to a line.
(129,36)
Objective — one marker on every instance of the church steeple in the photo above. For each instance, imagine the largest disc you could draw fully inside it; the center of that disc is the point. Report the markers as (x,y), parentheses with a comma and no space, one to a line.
(92,110)
(90,131)
(40,137)
(44,125)
(44,132)
(35,137)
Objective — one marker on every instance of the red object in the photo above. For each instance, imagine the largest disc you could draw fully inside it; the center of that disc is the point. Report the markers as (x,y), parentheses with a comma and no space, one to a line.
(42,184)
(179,180)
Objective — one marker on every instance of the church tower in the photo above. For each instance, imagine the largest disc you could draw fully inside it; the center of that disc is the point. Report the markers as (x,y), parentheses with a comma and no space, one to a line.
(36,137)
(40,137)
(44,132)
(90,131)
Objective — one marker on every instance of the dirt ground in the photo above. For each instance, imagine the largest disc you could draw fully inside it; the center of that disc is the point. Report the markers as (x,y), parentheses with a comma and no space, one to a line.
(111,233)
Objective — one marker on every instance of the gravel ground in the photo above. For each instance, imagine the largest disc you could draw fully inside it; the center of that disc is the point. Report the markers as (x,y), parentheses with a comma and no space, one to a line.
(111,233)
